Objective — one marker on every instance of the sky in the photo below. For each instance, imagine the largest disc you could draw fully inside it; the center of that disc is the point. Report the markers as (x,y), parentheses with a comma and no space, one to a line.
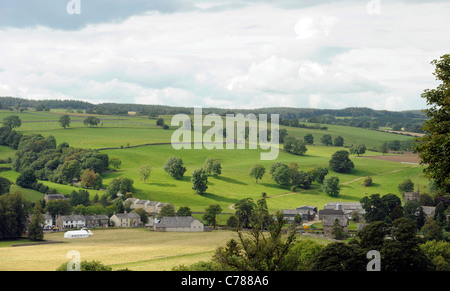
(224,53)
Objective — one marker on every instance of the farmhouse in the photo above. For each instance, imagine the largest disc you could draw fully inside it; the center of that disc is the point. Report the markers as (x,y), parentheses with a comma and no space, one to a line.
(126,219)
(346,207)
(179,223)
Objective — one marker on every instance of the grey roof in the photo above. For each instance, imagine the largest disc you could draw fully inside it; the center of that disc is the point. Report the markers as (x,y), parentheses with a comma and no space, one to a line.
(328,220)
(54,196)
(175,221)
(95,217)
(309,207)
(132,215)
(72,217)
(295,211)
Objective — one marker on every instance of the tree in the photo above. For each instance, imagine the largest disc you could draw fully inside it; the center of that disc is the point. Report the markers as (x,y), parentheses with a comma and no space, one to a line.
(337,231)
(199,180)
(26,179)
(115,162)
(80,197)
(338,141)
(36,226)
(145,172)
(340,162)
(211,213)
(281,174)
(167,210)
(216,168)
(367,181)
(91,121)
(64,120)
(326,140)
(257,172)
(331,186)
(255,251)
(376,209)
(414,211)
(13,215)
(90,179)
(384,148)
(338,256)
(302,179)
(160,122)
(308,138)
(320,174)
(207,167)
(12,121)
(87,266)
(406,186)
(358,149)
(294,146)
(142,214)
(184,211)
(5,185)
(174,167)
(244,211)
(435,144)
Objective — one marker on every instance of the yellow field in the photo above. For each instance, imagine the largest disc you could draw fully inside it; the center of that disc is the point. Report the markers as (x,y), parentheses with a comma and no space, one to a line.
(135,249)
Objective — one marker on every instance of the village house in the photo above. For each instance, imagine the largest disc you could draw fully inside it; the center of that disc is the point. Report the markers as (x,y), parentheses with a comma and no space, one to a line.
(48,221)
(94,221)
(70,221)
(179,223)
(126,219)
(306,212)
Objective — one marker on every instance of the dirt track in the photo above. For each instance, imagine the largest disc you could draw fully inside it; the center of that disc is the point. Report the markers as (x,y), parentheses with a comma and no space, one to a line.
(404,158)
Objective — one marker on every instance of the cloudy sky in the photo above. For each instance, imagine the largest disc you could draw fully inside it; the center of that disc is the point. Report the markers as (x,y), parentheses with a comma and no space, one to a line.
(224,53)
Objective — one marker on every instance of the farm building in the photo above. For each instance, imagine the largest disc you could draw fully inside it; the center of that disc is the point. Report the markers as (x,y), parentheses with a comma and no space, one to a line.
(346,207)
(179,223)
(53,197)
(328,223)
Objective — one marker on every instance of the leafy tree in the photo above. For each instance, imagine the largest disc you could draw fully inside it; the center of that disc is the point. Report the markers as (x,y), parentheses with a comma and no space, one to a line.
(308,138)
(406,186)
(320,174)
(294,146)
(12,121)
(376,209)
(302,179)
(64,120)
(414,211)
(326,140)
(210,216)
(301,256)
(80,197)
(199,180)
(174,167)
(255,251)
(340,162)
(90,179)
(216,168)
(126,185)
(367,181)
(244,211)
(402,252)
(142,214)
(338,256)
(145,172)
(435,144)
(257,172)
(338,141)
(384,148)
(281,174)
(5,185)
(207,167)
(337,231)
(116,163)
(184,211)
(36,226)
(26,179)
(59,206)
(160,122)
(373,235)
(13,215)
(91,121)
(431,230)
(359,149)
(331,186)
(167,210)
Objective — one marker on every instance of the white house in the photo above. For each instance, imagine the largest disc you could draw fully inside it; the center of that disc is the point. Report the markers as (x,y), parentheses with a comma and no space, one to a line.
(70,221)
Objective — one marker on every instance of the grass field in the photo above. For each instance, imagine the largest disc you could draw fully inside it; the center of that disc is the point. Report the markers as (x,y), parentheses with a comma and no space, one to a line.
(140,249)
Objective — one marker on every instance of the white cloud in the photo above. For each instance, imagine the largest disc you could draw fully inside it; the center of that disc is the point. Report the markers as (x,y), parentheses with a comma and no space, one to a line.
(329,55)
